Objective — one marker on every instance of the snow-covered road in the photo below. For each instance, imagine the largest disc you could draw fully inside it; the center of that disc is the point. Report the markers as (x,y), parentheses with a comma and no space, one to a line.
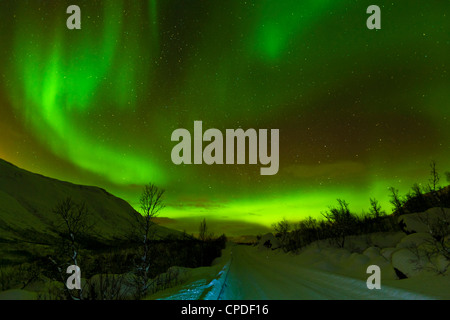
(255,275)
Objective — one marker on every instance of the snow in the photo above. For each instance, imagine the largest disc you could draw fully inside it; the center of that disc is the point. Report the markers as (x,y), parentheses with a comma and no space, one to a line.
(319,271)
(417,222)
(204,283)
(17,294)
(273,275)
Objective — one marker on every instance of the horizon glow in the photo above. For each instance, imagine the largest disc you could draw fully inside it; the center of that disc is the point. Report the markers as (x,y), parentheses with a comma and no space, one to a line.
(358,110)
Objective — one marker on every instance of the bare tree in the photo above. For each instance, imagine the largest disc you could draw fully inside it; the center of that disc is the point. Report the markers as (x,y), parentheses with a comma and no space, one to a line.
(434,179)
(203,234)
(151,203)
(282,229)
(396,201)
(428,255)
(72,224)
(439,228)
(341,221)
(375,208)
(108,287)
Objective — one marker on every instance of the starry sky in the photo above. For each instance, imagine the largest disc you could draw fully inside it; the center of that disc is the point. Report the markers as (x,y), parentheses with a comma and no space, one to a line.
(358,110)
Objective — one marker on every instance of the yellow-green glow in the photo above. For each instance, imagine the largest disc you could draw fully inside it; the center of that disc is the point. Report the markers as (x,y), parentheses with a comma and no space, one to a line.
(358,110)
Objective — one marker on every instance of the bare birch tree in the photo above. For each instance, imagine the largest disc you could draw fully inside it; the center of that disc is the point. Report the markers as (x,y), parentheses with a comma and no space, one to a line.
(72,224)
(151,203)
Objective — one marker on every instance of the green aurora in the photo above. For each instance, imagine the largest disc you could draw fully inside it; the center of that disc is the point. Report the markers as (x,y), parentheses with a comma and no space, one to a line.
(358,110)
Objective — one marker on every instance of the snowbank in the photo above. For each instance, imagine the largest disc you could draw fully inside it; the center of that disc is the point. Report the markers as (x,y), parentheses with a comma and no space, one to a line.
(18,294)
(204,283)
(420,222)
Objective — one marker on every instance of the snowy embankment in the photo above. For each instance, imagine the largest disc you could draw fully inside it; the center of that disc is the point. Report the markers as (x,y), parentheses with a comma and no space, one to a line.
(260,273)
(321,271)
(319,274)
(204,283)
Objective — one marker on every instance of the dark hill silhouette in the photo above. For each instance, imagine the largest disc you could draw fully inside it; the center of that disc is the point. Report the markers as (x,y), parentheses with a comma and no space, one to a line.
(27,201)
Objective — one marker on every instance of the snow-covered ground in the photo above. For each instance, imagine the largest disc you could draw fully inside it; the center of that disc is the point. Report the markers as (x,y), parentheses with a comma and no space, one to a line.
(204,283)
(255,274)
(320,271)
(248,272)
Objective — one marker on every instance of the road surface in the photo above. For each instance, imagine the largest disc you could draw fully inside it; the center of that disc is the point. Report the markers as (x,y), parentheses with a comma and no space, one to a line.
(255,275)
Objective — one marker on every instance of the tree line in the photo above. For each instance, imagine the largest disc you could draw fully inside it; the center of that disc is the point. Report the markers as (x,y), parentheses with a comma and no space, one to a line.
(339,221)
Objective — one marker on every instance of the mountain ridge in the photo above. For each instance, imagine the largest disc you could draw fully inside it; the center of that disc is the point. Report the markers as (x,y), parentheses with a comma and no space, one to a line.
(27,200)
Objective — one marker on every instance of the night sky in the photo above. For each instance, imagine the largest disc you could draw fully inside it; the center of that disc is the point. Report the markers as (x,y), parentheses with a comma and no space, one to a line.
(358,110)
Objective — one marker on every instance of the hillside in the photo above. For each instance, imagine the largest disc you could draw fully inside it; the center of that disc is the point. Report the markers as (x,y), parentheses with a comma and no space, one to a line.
(27,201)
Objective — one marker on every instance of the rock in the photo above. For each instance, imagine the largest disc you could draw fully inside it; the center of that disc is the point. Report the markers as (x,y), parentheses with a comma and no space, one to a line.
(358,259)
(372,252)
(407,262)
(421,222)
(269,241)
(414,240)
(386,239)
(400,274)
(438,264)
(387,253)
